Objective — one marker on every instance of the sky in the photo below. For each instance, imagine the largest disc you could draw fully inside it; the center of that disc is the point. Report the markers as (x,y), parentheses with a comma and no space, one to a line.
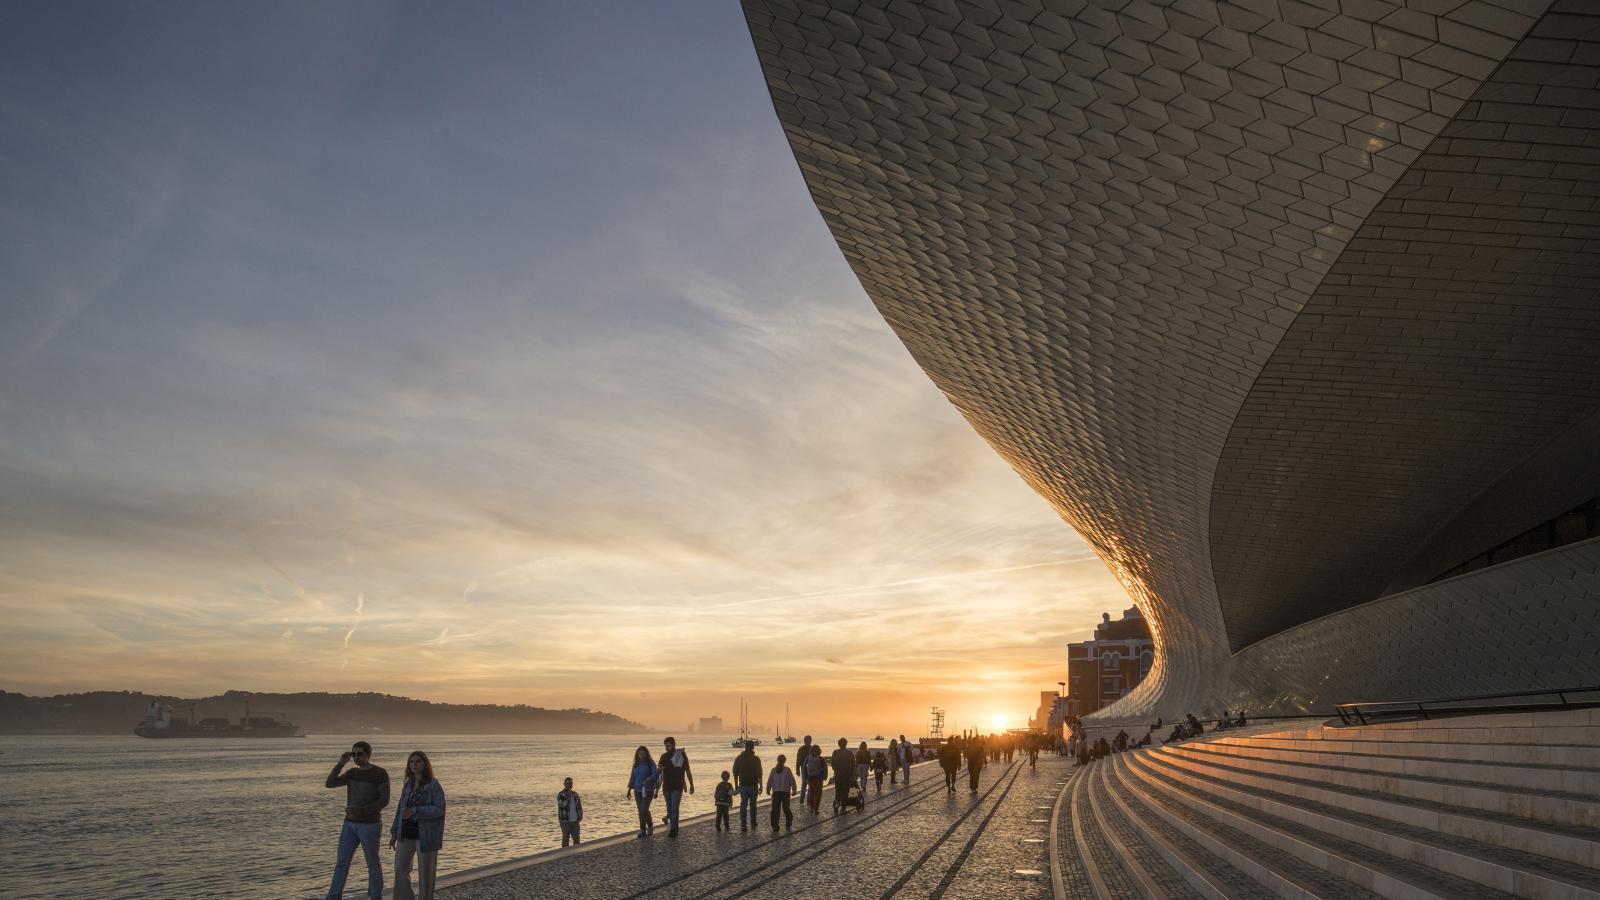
(477,353)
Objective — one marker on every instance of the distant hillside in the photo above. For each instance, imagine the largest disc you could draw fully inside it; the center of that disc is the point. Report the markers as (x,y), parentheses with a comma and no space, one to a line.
(116,712)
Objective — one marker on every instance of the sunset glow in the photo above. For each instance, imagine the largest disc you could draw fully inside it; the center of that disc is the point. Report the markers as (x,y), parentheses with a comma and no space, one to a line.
(531,405)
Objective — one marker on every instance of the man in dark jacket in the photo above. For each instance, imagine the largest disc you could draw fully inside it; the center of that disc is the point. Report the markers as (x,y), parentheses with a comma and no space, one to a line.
(747,777)
(843,763)
(366,794)
(976,751)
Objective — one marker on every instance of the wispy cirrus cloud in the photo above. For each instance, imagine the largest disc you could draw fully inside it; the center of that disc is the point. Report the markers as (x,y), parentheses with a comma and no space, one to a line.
(566,408)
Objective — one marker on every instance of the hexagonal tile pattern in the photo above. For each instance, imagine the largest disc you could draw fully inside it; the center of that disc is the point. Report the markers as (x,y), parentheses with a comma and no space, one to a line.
(1110,230)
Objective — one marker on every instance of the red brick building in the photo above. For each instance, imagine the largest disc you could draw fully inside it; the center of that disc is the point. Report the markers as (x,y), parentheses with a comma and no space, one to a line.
(1103,670)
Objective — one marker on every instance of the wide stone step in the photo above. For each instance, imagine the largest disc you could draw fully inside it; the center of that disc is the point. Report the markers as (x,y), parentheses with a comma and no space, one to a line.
(1341,740)
(1103,868)
(1243,846)
(1569,727)
(1571,844)
(1070,872)
(1374,870)
(1557,779)
(1522,874)
(1154,868)
(1554,807)
(1214,867)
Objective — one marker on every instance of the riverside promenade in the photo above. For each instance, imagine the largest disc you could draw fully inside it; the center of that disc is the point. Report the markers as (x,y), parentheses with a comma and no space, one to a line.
(911,842)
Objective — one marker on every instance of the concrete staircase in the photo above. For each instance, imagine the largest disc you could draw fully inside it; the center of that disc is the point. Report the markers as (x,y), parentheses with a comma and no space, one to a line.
(1486,806)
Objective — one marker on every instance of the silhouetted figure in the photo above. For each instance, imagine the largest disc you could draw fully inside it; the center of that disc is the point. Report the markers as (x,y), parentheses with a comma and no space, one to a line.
(949,761)
(894,759)
(816,772)
(643,779)
(976,751)
(843,763)
(905,759)
(863,766)
(880,765)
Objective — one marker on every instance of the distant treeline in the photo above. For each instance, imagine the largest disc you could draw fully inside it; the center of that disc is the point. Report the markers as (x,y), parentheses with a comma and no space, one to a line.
(117,712)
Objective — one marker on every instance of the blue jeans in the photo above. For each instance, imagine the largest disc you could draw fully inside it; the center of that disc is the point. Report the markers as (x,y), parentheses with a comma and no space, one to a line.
(364,834)
(747,806)
(642,800)
(905,769)
(673,798)
(861,776)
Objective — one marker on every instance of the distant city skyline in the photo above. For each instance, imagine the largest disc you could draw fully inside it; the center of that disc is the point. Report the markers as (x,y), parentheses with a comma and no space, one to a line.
(477,358)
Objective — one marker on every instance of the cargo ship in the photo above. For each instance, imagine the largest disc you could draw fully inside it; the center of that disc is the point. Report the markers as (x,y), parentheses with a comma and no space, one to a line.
(160,723)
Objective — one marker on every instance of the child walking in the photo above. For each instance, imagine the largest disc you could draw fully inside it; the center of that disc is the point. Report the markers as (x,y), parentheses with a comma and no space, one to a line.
(569,812)
(724,802)
(879,766)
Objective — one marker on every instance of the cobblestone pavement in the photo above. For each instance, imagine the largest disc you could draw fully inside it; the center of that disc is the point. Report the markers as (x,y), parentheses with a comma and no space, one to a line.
(916,842)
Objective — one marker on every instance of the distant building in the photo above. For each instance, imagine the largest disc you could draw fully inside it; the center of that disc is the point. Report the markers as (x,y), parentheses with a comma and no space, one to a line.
(1041,717)
(1105,669)
(709,725)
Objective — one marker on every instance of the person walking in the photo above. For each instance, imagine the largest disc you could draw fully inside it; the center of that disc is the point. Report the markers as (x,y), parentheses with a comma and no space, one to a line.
(905,759)
(747,772)
(781,785)
(418,829)
(366,795)
(949,761)
(723,798)
(894,760)
(976,751)
(569,812)
(674,766)
(816,772)
(843,763)
(642,782)
(863,766)
(879,766)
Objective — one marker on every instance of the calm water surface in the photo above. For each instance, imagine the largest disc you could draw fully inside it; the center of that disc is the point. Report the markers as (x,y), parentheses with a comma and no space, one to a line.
(108,816)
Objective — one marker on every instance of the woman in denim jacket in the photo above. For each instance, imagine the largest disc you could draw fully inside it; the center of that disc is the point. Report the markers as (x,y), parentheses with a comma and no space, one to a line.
(418,829)
(642,781)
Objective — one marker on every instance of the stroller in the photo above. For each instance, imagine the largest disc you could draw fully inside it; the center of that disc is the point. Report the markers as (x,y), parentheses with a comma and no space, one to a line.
(852,796)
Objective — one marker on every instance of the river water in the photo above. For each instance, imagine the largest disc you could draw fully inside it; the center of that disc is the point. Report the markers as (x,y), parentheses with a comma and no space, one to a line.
(128,817)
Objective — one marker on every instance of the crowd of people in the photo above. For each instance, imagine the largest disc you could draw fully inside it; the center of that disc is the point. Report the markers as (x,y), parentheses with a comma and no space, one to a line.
(416,829)
(1083,749)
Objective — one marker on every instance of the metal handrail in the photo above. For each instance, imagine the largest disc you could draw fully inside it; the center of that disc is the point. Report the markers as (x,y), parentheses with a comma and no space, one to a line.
(1356,712)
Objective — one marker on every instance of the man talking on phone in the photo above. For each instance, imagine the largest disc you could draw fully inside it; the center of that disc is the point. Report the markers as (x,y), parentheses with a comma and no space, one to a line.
(366,794)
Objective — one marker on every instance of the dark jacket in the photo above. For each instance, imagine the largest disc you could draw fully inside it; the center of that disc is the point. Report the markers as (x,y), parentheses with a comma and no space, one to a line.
(747,769)
(843,763)
(366,791)
(569,807)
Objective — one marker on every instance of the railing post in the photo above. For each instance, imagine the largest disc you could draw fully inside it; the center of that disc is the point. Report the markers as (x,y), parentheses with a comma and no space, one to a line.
(1361,715)
(1563,696)
(1344,719)
(1423,710)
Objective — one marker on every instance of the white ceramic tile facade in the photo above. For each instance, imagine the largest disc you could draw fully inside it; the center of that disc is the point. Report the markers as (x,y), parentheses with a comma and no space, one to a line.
(1119,235)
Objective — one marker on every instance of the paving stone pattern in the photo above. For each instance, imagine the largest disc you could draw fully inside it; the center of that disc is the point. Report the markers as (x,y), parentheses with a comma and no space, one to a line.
(977,842)
(1153,250)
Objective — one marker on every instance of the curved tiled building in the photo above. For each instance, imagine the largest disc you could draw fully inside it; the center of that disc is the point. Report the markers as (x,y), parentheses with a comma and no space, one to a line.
(1289,307)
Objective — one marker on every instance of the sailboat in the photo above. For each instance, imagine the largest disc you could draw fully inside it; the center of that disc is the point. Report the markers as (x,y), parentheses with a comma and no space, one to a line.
(744,725)
(790,738)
